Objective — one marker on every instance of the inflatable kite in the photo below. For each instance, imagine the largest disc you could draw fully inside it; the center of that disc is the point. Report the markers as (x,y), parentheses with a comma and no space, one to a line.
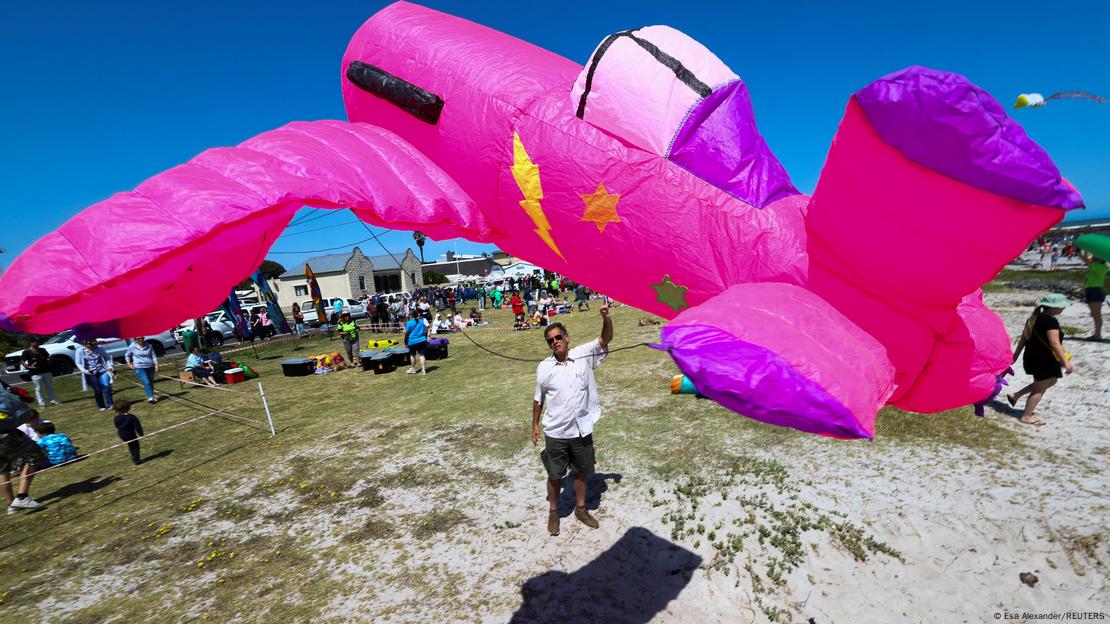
(1036,100)
(642,175)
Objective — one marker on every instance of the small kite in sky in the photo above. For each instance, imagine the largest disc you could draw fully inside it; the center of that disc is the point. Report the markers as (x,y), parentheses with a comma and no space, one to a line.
(1036,100)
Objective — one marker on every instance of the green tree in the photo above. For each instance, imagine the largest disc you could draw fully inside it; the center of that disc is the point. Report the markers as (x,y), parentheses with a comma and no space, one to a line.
(270,270)
(432,277)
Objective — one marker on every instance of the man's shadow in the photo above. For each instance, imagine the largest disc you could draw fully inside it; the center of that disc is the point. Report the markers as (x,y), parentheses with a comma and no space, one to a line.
(595,486)
(91,484)
(630,583)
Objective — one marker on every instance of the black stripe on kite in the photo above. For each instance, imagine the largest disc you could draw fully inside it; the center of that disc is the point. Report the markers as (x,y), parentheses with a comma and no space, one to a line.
(593,67)
(686,76)
(424,105)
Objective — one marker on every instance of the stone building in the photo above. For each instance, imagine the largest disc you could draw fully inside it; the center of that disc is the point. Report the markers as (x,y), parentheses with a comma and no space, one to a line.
(350,276)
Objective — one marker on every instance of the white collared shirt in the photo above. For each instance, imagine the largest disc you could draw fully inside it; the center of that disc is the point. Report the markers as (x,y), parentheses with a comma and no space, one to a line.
(568,390)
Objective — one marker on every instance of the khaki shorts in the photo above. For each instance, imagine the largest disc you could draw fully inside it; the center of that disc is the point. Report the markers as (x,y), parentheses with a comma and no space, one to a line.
(558,454)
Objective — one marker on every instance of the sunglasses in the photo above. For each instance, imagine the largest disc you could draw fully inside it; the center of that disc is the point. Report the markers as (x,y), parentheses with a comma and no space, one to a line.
(551,340)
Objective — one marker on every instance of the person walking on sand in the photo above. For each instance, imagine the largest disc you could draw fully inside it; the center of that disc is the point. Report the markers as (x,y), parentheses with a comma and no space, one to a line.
(1094,290)
(565,385)
(1042,343)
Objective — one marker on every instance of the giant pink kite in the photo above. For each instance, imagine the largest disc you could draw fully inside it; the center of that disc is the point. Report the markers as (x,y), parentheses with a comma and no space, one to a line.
(642,175)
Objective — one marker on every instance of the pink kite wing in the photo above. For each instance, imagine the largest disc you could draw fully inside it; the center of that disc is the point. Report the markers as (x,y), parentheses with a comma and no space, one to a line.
(780,354)
(142,261)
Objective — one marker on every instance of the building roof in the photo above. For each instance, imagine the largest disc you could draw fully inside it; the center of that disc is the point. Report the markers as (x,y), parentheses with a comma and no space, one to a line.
(337,262)
(387,262)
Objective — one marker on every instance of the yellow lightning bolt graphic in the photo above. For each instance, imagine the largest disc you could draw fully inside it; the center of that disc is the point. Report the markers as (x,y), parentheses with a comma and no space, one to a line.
(527,176)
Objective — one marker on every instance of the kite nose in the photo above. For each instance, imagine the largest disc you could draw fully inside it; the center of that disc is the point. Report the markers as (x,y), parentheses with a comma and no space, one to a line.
(424,105)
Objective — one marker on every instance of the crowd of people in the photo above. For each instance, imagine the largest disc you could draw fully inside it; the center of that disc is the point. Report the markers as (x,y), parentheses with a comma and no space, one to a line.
(533,293)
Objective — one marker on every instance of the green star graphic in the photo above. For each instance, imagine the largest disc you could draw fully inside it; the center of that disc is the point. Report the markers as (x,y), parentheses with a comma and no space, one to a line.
(671,294)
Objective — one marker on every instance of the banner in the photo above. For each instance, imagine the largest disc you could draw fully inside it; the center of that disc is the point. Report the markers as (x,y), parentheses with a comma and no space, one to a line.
(234,311)
(317,298)
(271,301)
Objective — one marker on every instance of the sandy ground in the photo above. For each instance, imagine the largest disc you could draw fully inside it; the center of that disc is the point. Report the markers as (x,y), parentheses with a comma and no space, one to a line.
(965,529)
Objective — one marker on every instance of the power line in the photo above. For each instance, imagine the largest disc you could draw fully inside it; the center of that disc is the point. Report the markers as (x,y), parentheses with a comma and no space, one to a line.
(375,237)
(326,227)
(312,251)
(326,212)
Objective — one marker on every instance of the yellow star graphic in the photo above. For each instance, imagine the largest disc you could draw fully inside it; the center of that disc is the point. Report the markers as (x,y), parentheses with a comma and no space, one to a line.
(601,207)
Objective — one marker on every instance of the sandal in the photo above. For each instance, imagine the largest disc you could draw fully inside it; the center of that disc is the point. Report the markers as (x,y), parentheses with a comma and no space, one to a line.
(1036,422)
(1011,400)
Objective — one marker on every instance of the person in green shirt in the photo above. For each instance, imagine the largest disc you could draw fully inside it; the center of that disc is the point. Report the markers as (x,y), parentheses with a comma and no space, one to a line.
(1094,290)
(348,330)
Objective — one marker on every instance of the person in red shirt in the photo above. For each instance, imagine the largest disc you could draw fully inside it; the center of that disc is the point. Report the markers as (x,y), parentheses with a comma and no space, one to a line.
(516,303)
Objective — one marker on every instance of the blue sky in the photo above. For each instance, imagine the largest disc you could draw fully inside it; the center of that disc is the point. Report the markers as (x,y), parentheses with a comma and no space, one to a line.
(100,96)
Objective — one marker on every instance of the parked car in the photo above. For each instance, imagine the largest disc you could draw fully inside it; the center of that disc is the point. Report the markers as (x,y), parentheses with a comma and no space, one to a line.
(63,347)
(355,308)
(222,328)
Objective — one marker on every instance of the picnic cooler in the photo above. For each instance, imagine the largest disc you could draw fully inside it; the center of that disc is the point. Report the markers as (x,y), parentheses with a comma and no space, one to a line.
(298,367)
(234,376)
(437,349)
(381,344)
(399,356)
(382,363)
(366,358)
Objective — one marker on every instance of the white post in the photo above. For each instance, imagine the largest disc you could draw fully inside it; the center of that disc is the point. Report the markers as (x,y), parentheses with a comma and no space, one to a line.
(267,407)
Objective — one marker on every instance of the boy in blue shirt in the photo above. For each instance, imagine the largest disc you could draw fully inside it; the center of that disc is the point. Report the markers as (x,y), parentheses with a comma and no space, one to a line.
(58,447)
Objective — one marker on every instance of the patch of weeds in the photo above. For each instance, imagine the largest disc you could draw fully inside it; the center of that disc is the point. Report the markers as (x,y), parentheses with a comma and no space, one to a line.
(372,529)
(191,505)
(417,475)
(771,519)
(508,524)
(234,511)
(369,497)
(491,478)
(427,525)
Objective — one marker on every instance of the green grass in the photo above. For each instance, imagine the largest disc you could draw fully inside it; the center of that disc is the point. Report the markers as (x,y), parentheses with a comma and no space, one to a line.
(1009,279)
(352,448)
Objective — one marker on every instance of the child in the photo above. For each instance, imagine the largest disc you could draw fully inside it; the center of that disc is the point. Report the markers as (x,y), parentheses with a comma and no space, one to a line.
(129,429)
(200,367)
(520,323)
(58,447)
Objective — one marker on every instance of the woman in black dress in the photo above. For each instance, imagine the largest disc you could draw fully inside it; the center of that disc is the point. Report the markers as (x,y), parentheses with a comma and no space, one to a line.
(1042,343)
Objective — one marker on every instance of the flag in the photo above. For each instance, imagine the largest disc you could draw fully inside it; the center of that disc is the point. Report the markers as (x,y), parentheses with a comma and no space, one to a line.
(317,298)
(234,311)
(271,301)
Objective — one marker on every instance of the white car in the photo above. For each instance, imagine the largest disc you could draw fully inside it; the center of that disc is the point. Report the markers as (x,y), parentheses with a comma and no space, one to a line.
(222,328)
(355,308)
(63,347)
